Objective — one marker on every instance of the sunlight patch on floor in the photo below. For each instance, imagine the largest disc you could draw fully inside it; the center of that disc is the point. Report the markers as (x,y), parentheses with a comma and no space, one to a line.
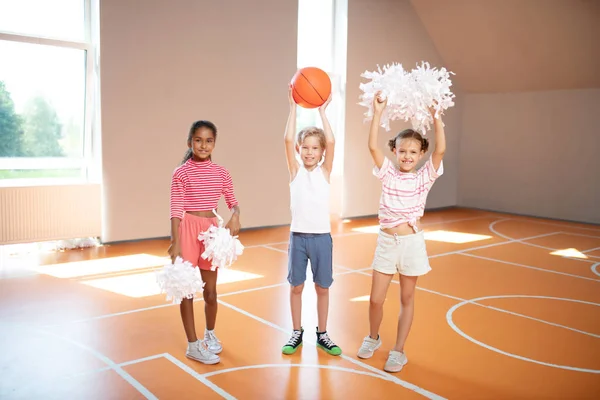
(78,269)
(437,236)
(367,229)
(144,284)
(574,253)
(454,237)
(361,298)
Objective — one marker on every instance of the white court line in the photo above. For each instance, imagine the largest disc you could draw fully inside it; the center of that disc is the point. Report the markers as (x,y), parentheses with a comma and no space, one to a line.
(143,359)
(348,271)
(112,365)
(484,345)
(136,310)
(485,246)
(149,395)
(590,250)
(318,366)
(392,378)
(363,233)
(595,268)
(530,267)
(274,249)
(460,299)
(123,364)
(200,378)
(579,234)
(565,225)
(522,241)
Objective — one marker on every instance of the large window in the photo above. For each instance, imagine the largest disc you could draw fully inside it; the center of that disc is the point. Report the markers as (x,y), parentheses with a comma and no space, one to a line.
(47,91)
(325,48)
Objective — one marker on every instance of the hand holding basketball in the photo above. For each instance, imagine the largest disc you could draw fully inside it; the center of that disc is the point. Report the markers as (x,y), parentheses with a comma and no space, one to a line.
(311,87)
(324,105)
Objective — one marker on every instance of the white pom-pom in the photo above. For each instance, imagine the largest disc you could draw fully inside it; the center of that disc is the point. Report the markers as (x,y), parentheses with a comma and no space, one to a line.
(409,94)
(180,280)
(221,249)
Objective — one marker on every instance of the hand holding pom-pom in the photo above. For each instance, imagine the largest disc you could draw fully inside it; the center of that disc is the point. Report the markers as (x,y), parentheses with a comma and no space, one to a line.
(379,103)
(410,95)
(179,280)
(221,248)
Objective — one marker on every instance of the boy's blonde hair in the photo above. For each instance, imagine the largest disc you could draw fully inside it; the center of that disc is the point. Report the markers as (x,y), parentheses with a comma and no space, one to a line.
(312,131)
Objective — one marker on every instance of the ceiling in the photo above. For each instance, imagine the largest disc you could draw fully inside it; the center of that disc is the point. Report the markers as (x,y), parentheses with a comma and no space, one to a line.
(516,45)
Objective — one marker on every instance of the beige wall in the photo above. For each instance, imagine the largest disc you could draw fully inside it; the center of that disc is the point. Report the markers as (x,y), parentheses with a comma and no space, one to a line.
(165,64)
(383,32)
(532,153)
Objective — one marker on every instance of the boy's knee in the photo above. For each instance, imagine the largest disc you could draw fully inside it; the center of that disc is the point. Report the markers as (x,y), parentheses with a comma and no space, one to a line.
(298,289)
(321,290)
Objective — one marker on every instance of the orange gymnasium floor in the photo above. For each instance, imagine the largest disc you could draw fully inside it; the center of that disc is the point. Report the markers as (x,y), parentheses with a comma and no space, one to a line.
(511,310)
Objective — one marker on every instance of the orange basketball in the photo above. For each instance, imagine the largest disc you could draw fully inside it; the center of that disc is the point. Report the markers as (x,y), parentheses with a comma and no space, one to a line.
(311,87)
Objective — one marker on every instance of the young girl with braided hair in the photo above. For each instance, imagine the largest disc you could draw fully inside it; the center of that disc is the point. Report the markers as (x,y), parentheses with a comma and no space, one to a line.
(196,188)
(400,244)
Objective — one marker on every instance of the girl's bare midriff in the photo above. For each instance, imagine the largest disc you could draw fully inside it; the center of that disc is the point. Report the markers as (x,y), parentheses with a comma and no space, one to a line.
(401,230)
(203,214)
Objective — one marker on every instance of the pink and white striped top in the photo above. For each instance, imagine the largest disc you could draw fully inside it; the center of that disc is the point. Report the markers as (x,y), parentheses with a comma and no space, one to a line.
(403,194)
(198,186)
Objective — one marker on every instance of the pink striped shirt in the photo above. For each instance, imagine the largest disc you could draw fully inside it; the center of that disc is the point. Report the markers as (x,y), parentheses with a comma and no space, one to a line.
(198,186)
(403,194)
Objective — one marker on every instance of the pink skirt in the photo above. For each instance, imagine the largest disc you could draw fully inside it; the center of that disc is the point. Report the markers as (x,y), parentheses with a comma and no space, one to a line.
(191,248)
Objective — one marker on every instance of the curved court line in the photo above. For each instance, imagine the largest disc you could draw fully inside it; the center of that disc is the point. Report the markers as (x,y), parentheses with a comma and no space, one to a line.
(473,302)
(392,378)
(318,366)
(521,241)
(473,340)
(595,268)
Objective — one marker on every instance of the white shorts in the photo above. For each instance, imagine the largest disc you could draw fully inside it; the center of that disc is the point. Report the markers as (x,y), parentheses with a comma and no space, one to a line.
(405,254)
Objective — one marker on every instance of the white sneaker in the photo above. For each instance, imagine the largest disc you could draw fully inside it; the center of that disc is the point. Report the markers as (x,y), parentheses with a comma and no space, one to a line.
(198,351)
(212,343)
(396,360)
(368,347)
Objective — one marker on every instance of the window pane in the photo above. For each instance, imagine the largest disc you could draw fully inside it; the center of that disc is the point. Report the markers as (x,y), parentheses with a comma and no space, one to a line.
(315,34)
(40,173)
(56,19)
(42,101)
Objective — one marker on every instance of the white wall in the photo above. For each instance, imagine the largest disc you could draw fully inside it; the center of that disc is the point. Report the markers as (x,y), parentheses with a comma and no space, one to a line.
(165,64)
(532,153)
(382,32)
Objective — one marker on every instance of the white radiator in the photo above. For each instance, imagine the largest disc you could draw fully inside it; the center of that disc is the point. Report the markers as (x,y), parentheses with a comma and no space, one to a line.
(35,214)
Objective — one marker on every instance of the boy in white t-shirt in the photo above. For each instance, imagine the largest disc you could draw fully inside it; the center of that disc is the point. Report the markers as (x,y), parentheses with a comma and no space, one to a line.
(310,231)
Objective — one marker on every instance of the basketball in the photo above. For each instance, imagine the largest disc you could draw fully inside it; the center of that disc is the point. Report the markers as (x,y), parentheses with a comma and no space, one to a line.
(311,87)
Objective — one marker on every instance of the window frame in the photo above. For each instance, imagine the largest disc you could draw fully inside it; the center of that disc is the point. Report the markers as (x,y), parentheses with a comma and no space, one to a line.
(89,171)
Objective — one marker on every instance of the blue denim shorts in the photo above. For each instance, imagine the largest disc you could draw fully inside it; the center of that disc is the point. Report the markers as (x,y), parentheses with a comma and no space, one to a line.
(316,247)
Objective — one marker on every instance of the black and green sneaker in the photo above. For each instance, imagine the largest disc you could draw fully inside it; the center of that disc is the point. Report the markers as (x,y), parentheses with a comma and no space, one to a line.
(295,341)
(324,342)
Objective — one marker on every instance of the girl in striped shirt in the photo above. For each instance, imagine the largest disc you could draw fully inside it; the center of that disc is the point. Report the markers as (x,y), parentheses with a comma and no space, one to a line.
(400,244)
(196,188)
